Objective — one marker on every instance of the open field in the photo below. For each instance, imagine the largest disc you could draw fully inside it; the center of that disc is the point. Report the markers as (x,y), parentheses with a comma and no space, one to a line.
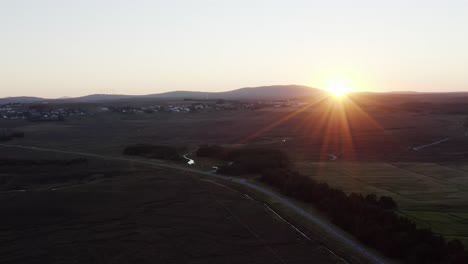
(374,151)
(130,213)
(435,195)
(310,134)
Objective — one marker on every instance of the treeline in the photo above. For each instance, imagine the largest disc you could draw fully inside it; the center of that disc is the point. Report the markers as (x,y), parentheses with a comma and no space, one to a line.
(21,162)
(372,220)
(153,152)
(245,160)
(4,136)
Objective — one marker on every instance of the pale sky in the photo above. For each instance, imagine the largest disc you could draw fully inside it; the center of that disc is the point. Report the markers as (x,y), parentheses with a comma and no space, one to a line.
(54,48)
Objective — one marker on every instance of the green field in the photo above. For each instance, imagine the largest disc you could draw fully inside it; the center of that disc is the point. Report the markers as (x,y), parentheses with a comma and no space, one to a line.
(434,195)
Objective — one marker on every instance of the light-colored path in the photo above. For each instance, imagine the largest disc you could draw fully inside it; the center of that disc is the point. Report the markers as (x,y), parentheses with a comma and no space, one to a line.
(432,144)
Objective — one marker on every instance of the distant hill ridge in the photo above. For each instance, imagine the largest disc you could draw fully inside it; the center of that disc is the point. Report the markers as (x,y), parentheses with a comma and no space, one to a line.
(20,99)
(262,92)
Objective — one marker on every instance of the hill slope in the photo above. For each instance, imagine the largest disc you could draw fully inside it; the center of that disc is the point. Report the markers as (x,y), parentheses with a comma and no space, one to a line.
(20,99)
(263,92)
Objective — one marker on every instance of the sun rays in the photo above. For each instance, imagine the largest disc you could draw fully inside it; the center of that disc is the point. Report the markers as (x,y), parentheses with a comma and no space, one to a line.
(324,127)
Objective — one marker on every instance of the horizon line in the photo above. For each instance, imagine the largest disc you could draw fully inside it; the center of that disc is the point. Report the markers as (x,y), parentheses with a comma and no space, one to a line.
(247,87)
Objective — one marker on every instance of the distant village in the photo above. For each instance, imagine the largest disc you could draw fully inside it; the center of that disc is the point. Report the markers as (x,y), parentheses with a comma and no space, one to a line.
(215,106)
(43,112)
(35,113)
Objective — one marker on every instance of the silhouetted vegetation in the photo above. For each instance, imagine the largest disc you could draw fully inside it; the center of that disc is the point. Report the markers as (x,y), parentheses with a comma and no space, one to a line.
(213,151)
(153,151)
(244,161)
(24,162)
(44,118)
(4,136)
(370,219)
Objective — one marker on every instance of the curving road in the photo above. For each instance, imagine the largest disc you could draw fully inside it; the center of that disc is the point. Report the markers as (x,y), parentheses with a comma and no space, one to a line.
(284,201)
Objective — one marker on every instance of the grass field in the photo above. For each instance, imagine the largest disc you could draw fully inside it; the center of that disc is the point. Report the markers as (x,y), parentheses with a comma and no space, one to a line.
(431,185)
(434,195)
(132,213)
(303,135)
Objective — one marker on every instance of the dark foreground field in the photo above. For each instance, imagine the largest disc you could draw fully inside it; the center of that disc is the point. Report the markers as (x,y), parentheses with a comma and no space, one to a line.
(122,213)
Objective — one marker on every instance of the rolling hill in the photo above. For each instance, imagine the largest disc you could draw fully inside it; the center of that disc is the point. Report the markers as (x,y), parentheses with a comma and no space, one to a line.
(263,92)
(20,99)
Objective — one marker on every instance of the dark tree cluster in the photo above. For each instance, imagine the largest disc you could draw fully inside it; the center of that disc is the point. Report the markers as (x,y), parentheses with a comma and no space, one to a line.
(153,151)
(43,118)
(213,151)
(245,160)
(25,162)
(4,136)
(372,220)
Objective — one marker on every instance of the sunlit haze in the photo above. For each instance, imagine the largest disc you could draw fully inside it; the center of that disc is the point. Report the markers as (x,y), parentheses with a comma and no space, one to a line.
(54,48)
(338,88)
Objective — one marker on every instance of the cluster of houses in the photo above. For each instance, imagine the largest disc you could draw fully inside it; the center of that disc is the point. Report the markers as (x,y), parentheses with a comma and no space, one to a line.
(8,111)
(175,108)
(15,111)
(214,106)
(54,115)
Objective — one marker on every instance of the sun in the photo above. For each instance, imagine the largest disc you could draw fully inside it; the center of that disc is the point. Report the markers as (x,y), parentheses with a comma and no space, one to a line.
(338,88)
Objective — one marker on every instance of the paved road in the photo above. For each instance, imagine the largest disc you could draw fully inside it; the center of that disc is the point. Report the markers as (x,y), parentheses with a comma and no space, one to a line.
(284,201)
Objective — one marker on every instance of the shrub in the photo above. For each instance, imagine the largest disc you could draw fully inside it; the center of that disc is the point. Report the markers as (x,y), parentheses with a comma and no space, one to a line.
(245,160)
(153,151)
(25,162)
(213,151)
(4,135)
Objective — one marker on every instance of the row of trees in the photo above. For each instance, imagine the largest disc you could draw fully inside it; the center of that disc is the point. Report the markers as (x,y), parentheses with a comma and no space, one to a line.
(372,220)
(245,160)
(153,151)
(8,135)
(26,162)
